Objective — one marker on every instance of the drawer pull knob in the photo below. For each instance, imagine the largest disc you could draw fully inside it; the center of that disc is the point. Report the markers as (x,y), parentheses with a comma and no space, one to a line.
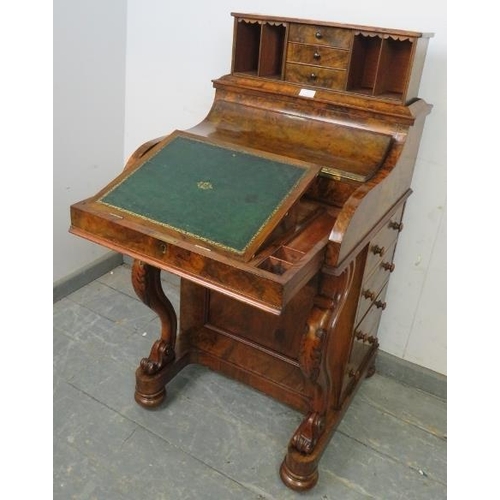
(380,304)
(368,294)
(397,226)
(313,76)
(361,336)
(389,266)
(317,55)
(366,338)
(378,250)
(319,35)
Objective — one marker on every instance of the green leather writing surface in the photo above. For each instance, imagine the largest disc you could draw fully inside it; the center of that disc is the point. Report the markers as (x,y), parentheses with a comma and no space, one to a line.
(206,191)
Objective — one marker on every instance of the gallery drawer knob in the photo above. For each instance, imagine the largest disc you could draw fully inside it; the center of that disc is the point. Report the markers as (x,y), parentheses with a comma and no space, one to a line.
(380,304)
(389,266)
(319,35)
(368,294)
(313,76)
(398,226)
(316,55)
(378,250)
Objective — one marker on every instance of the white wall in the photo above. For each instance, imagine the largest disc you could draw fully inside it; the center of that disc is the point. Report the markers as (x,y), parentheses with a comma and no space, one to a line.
(174,51)
(89,113)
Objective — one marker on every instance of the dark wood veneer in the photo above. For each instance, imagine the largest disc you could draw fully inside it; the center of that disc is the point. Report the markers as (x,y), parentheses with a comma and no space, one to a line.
(297,316)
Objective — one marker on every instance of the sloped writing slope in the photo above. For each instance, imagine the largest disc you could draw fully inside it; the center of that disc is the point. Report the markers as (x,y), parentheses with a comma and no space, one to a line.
(217,196)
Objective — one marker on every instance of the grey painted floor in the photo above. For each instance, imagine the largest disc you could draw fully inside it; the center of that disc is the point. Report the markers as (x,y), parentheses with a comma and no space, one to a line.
(214,438)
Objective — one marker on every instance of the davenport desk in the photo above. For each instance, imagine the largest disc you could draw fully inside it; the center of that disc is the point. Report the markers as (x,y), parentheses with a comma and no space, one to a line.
(280,212)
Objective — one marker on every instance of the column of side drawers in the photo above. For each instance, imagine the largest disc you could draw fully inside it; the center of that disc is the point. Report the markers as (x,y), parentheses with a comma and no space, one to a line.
(378,268)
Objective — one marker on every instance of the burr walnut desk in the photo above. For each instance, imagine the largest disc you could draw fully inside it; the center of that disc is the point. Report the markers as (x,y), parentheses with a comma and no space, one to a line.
(280,212)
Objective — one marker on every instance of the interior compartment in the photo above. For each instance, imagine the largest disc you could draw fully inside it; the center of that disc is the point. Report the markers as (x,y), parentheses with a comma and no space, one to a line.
(259,49)
(393,68)
(379,67)
(364,63)
(293,222)
(288,254)
(247,46)
(275,266)
(271,51)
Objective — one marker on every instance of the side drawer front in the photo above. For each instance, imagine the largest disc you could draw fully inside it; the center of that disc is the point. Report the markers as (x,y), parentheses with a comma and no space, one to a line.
(315,76)
(382,242)
(322,35)
(372,285)
(369,324)
(364,342)
(318,55)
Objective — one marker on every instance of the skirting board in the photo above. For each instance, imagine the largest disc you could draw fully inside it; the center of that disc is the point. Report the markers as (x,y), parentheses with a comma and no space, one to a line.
(87,274)
(411,374)
(387,365)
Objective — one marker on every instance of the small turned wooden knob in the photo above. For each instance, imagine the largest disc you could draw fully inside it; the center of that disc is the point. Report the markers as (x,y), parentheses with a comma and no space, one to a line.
(316,55)
(360,335)
(380,304)
(313,76)
(368,294)
(371,339)
(388,266)
(378,250)
(319,35)
(398,226)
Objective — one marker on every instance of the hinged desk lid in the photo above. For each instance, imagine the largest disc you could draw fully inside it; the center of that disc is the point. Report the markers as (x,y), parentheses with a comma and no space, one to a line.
(215,195)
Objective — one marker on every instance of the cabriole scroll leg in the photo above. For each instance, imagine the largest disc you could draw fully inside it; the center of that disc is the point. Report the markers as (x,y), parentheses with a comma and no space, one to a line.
(150,375)
(299,470)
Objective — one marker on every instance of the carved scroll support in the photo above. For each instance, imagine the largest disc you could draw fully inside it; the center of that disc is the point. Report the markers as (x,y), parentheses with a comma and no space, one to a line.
(150,383)
(308,432)
(299,469)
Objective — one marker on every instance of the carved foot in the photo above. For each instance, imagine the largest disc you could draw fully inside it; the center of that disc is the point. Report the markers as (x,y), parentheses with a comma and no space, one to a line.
(308,433)
(161,354)
(299,470)
(150,381)
(297,481)
(150,400)
(151,376)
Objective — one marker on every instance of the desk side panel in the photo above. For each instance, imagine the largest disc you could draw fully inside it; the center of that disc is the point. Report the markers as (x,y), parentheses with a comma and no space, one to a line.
(368,205)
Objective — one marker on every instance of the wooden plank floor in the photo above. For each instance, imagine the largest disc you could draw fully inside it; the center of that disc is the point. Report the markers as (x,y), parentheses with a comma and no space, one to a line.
(214,438)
